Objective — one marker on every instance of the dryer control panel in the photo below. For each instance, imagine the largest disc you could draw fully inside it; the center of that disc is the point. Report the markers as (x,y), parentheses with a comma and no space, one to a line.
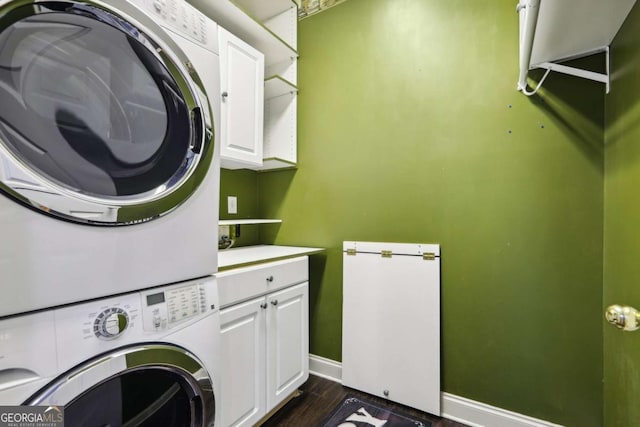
(182,18)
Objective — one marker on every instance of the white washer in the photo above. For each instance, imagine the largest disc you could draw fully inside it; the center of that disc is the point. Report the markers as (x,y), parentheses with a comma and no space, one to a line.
(129,360)
(109,174)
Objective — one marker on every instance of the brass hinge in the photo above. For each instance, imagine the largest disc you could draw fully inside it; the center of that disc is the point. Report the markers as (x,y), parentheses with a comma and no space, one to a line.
(386,254)
(428,256)
(351,252)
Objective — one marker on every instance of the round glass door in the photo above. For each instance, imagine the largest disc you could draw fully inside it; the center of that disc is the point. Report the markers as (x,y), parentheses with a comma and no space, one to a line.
(99,120)
(150,397)
(150,385)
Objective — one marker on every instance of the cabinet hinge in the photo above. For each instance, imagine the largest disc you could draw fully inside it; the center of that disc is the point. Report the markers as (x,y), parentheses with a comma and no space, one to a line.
(386,254)
(428,256)
(351,252)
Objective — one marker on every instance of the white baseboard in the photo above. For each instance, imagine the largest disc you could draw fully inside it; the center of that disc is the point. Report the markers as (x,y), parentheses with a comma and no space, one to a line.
(325,368)
(477,414)
(456,408)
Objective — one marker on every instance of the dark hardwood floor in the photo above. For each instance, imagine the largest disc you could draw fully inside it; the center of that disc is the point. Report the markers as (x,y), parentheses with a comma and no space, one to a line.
(320,396)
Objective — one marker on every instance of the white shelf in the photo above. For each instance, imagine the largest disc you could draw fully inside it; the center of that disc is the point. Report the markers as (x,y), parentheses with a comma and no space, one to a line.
(262,10)
(553,31)
(570,28)
(235,20)
(249,255)
(276,85)
(285,26)
(274,163)
(280,147)
(248,221)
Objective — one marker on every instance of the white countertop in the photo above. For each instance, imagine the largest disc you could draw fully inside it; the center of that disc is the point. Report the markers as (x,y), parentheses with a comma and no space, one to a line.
(247,255)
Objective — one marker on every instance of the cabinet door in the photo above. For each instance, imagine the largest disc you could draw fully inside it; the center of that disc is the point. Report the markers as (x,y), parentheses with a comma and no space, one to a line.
(243,363)
(287,342)
(242,109)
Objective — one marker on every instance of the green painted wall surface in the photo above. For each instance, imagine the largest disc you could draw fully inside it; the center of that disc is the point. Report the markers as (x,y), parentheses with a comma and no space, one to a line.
(244,185)
(410,130)
(622,225)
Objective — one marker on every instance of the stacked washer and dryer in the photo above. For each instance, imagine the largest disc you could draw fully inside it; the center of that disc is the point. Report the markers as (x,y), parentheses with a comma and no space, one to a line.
(109,174)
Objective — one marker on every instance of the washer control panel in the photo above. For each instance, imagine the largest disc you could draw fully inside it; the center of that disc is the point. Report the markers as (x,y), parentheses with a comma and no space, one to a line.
(110,323)
(163,308)
(86,329)
(108,319)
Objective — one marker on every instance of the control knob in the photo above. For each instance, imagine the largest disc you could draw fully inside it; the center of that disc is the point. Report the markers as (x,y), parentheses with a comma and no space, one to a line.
(111,323)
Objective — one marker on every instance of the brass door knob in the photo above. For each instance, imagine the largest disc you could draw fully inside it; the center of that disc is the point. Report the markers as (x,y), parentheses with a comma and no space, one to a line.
(623,317)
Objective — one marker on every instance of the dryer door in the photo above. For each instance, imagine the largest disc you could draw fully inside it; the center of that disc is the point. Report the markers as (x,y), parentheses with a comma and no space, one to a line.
(103,119)
(139,386)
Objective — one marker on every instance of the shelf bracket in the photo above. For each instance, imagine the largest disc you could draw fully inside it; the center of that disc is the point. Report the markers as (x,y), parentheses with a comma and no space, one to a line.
(528,11)
(590,75)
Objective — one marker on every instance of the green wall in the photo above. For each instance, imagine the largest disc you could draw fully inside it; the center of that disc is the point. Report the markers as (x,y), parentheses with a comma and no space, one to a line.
(410,129)
(622,227)
(244,185)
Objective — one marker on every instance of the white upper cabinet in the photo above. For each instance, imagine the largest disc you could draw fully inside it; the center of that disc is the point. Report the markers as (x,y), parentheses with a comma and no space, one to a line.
(271,27)
(242,108)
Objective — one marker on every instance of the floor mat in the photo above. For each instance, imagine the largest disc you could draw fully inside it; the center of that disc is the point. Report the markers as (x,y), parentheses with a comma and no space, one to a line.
(354,412)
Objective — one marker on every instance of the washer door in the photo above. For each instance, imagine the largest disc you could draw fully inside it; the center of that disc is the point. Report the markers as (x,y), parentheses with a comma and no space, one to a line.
(103,120)
(139,386)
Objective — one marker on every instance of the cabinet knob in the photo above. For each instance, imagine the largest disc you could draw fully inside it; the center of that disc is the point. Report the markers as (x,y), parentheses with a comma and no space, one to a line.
(274,302)
(263,305)
(270,279)
(225,94)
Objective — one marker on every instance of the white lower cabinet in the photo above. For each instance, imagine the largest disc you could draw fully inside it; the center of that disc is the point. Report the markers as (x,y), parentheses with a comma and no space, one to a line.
(265,339)
(287,342)
(243,364)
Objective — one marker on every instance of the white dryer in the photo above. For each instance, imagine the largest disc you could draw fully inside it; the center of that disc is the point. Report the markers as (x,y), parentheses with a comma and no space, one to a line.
(109,174)
(145,358)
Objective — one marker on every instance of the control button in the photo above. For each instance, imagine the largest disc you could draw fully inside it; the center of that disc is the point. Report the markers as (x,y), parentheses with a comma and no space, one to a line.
(157,6)
(111,323)
(157,322)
